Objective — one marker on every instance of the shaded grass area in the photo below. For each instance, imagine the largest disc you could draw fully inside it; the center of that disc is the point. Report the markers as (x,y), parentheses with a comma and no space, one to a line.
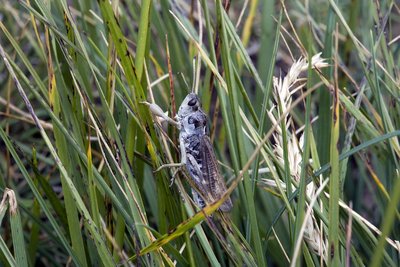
(303,106)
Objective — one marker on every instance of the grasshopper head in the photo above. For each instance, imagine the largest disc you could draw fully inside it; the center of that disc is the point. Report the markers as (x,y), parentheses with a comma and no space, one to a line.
(190,104)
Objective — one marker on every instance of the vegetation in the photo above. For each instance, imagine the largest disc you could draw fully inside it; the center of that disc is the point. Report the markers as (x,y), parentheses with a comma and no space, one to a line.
(303,103)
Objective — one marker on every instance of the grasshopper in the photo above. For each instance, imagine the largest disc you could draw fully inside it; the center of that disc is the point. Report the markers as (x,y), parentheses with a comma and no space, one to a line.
(197,152)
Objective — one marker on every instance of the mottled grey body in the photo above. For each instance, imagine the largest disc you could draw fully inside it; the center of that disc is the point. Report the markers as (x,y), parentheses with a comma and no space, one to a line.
(198,154)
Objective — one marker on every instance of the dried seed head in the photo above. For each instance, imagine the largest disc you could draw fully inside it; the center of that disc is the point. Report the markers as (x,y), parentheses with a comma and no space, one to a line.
(284,88)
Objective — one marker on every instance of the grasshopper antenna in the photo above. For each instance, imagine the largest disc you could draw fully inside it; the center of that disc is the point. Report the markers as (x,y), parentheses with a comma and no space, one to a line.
(184,80)
(196,74)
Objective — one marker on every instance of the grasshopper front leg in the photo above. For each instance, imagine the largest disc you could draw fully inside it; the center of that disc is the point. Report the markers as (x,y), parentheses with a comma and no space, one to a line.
(157,111)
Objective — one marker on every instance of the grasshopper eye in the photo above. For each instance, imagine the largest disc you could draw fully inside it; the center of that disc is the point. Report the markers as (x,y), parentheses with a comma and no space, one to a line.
(192,102)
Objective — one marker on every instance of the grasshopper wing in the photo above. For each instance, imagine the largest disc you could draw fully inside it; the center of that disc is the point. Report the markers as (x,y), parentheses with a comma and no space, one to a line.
(215,182)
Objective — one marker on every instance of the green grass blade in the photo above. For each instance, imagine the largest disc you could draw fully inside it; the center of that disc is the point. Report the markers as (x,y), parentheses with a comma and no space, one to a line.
(104,253)
(388,222)
(334,181)
(17,235)
(234,101)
